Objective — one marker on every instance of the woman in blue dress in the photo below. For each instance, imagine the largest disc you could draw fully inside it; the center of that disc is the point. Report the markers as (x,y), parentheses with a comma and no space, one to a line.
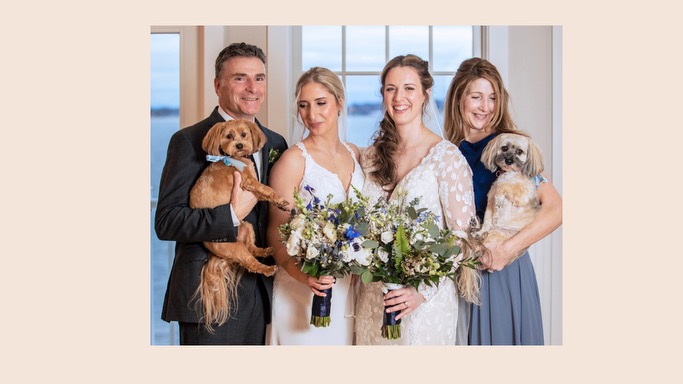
(476,111)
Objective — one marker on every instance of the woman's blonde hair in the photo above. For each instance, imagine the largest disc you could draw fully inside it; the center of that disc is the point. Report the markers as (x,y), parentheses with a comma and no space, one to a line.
(469,71)
(324,77)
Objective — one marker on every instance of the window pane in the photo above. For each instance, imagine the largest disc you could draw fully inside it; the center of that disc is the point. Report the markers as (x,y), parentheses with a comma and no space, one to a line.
(322,47)
(365,48)
(439,90)
(165,120)
(364,108)
(452,45)
(411,39)
(164,99)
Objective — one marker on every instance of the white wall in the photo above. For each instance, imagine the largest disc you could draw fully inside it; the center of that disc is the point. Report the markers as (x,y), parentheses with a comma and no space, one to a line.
(530,61)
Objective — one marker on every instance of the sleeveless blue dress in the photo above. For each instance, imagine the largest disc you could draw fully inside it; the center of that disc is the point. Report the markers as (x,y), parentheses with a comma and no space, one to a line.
(510,310)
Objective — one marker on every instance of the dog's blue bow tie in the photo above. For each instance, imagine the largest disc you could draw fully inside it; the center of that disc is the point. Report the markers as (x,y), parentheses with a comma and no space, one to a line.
(229,161)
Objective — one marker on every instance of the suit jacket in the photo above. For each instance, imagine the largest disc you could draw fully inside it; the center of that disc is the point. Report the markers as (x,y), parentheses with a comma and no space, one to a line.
(189,228)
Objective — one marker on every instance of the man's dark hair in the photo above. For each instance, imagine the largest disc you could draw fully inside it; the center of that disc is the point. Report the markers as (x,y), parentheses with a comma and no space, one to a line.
(238,50)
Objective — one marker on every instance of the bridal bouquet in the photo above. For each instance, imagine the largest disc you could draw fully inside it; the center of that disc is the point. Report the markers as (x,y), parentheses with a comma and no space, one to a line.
(327,239)
(408,248)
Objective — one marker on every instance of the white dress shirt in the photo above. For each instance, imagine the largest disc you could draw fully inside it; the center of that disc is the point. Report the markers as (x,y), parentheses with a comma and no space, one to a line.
(257,161)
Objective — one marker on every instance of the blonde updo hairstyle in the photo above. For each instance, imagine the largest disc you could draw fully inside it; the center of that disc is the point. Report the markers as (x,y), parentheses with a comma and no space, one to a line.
(323,76)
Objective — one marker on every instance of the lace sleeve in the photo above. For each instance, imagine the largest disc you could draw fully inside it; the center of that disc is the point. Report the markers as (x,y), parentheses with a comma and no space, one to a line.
(456,192)
(456,195)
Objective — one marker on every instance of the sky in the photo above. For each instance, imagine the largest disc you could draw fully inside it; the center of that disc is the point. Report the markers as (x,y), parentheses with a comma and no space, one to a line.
(165,65)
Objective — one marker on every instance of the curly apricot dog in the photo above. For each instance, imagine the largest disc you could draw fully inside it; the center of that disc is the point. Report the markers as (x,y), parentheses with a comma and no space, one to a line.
(229,145)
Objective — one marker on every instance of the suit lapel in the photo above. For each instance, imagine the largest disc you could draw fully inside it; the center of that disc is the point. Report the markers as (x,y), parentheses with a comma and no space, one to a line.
(265,166)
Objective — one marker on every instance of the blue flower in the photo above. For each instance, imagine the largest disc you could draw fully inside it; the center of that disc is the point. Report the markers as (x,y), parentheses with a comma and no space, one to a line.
(351,233)
(333,215)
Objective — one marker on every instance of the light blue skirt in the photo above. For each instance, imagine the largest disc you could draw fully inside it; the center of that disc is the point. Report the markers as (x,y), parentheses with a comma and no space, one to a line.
(510,310)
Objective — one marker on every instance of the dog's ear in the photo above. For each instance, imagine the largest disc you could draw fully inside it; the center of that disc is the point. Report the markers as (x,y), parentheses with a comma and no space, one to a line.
(257,136)
(488,157)
(534,161)
(212,141)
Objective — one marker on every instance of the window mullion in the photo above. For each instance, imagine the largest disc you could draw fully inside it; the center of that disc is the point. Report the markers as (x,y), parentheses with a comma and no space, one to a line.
(431,49)
(343,55)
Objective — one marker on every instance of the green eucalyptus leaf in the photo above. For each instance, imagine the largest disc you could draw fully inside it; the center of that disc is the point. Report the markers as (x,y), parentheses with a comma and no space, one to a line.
(433,230)
(362,228)
(412,213)
(371,244)
(366,277)
(441,249)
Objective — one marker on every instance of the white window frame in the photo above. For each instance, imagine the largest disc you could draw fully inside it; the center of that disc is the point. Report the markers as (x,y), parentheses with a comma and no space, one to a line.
(296,70)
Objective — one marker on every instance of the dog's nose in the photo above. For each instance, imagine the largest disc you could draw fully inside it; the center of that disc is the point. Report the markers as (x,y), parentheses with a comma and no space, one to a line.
(240,146)
(508,161)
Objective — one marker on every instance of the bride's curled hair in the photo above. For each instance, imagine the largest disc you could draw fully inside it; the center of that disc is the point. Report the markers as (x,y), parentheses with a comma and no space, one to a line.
(386,140)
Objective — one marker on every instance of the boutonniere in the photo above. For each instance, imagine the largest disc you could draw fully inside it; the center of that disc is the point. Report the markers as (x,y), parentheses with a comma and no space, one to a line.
(273,155)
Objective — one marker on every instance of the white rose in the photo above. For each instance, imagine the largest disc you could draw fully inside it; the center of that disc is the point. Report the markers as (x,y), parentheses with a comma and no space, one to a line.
(364,256)
(312,253)
(293,243)
(330,231)
(383,255)
(387,237)
(297,223)
(347,254)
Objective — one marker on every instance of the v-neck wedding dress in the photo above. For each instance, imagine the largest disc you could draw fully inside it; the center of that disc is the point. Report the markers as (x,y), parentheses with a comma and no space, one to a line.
(443,181)
(291,303)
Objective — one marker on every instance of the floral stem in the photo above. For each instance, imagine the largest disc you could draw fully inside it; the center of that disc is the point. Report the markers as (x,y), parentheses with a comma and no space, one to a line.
(391,332)
(320,321)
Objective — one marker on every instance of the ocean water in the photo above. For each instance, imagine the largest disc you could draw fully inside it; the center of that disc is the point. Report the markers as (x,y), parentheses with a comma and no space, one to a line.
(360,128)
(161,252)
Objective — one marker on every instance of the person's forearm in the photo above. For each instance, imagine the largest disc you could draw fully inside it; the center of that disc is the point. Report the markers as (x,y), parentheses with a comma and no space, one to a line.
(548,219)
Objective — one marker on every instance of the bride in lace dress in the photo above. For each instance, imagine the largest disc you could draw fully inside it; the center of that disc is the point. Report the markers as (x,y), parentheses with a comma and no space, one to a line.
(407,156)
(324,162)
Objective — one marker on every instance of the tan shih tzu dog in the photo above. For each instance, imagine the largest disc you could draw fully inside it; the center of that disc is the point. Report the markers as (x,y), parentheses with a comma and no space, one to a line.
(512,200)
(228,145)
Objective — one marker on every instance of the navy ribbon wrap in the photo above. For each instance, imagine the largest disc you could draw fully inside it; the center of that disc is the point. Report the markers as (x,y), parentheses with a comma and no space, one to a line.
(391,328)
(321,309)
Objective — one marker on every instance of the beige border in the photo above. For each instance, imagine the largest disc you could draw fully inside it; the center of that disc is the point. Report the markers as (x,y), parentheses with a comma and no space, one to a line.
(76,271)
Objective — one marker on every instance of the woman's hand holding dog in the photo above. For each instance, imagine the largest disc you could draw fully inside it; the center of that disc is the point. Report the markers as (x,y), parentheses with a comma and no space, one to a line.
(497,257)
(242,201)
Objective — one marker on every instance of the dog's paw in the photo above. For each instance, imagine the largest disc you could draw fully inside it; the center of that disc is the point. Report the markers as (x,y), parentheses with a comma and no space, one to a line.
(270,270)
(262,252)
(282,204)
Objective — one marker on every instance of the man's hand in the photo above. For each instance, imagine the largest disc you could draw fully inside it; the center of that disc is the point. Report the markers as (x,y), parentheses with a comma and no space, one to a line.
(242,201)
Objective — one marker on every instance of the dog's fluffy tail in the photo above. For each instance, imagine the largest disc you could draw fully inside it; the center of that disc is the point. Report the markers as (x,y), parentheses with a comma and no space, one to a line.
(468,279)
(218,291)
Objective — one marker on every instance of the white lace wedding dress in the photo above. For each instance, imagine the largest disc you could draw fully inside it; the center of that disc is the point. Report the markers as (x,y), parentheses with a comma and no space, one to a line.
(291,305)
(443,180)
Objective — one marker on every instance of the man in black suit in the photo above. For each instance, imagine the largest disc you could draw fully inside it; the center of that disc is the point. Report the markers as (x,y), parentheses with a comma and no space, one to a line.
(240,84)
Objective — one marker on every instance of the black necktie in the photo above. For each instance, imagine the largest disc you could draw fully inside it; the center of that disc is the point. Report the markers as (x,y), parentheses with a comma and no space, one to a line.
(251,157)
